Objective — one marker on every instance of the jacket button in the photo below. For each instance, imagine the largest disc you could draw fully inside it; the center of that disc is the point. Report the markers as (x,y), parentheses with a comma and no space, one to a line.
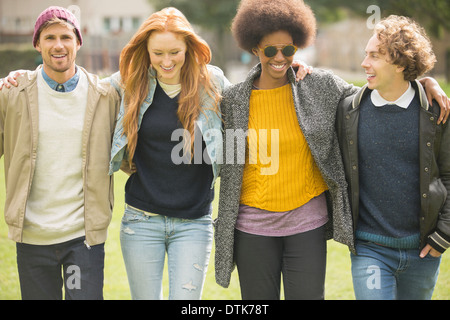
(424,195)
(428,144)
(426,169)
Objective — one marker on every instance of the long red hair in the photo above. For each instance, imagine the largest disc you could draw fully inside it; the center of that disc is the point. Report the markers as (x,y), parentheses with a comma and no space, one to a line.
(134,70)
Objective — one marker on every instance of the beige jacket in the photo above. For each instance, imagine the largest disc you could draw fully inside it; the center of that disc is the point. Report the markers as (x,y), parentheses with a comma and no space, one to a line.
(18,145)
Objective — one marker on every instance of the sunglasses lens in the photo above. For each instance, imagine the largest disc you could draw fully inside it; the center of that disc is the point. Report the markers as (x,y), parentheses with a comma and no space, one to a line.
(289,51)
(270,51)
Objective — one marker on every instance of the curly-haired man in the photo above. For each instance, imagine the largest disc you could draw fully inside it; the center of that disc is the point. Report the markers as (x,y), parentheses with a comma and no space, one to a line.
(397,163)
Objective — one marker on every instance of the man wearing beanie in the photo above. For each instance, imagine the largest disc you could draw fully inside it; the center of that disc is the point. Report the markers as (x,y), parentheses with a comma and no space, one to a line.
(56,130)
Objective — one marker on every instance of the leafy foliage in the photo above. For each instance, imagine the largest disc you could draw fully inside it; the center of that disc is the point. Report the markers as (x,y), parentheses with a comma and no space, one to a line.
(213,14)
(434,14)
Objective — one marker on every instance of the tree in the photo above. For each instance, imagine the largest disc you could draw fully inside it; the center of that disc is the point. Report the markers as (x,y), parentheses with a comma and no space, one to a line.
(434,15)
(213,15)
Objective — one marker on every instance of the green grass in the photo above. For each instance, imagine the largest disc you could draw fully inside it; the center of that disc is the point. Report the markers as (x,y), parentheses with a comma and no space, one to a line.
(338,282)
(338,285)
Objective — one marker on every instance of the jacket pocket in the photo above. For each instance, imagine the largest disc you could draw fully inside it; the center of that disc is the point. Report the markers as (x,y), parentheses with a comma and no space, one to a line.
(438,195)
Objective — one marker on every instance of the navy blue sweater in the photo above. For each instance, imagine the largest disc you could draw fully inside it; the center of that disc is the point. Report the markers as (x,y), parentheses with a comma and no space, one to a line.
(388,143)
(159,185)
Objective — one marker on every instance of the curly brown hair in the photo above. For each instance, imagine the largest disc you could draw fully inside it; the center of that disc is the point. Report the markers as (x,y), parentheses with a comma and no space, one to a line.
(406,44)
(258,18)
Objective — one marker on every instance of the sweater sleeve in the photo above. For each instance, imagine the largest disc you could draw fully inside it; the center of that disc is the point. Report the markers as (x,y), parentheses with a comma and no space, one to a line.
(347,89)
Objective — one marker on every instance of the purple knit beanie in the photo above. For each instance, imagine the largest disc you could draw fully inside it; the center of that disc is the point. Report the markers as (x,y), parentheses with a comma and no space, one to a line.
(60,13)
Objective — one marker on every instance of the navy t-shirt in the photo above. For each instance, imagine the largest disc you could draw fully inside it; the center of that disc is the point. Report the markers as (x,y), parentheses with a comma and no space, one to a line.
(160,185)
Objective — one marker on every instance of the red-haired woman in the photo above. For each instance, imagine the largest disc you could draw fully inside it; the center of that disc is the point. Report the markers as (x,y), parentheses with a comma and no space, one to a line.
(167,135)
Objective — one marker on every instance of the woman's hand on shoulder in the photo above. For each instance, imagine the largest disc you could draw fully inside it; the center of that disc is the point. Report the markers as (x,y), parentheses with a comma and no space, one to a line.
(11,79)
(302,69)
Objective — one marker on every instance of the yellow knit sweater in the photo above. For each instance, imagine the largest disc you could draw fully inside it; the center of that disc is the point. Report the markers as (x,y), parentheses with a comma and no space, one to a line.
(280,173)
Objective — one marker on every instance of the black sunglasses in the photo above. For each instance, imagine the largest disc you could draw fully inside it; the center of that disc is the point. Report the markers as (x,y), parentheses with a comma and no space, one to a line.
(287,50)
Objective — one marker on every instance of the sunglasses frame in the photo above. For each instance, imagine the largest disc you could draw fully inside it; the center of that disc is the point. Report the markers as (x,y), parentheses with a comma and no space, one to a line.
(279,48)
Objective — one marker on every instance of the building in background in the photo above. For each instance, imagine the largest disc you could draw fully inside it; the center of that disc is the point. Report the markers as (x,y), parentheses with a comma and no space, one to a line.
(107,26)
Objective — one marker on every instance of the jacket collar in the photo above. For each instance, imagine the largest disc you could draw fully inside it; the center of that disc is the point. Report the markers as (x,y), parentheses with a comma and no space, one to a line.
(100,85)
(415,84)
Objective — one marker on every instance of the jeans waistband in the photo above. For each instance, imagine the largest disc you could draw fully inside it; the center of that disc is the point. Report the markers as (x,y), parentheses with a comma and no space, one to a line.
(141,211)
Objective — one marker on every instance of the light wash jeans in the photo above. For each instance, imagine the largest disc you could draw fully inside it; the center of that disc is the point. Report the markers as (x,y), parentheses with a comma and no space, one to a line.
(145,239)
(383,273)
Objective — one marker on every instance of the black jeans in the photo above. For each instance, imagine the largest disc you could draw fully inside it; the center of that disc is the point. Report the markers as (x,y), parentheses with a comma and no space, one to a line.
(44,269)
(300,258)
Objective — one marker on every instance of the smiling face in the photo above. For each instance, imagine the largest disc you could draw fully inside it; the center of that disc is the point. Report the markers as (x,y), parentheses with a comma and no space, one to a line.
(274,69)
(382,75)
(58,45)
(167,52)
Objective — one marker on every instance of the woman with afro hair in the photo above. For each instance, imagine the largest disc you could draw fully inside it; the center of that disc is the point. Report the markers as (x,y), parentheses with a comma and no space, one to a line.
(278,207)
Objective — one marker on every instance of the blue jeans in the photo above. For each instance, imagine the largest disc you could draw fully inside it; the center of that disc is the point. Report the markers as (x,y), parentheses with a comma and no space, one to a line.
(44,270)
(383,273)
(145,239)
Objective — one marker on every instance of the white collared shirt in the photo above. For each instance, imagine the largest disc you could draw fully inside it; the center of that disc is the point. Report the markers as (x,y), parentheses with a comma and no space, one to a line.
(403,102)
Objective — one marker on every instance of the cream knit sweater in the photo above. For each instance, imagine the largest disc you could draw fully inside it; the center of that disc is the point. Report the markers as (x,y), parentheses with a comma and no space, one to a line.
(55,207)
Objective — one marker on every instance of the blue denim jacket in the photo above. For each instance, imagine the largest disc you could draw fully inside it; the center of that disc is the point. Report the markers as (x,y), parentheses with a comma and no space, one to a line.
(209,123)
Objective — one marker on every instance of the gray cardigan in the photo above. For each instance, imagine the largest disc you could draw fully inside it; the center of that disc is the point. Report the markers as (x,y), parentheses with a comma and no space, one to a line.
(316,99)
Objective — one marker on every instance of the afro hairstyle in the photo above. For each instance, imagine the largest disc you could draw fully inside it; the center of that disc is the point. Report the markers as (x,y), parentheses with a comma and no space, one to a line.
(257,18)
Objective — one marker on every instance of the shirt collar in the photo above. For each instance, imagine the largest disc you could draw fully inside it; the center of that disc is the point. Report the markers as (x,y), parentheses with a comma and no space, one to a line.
(403,102)
(68,86)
